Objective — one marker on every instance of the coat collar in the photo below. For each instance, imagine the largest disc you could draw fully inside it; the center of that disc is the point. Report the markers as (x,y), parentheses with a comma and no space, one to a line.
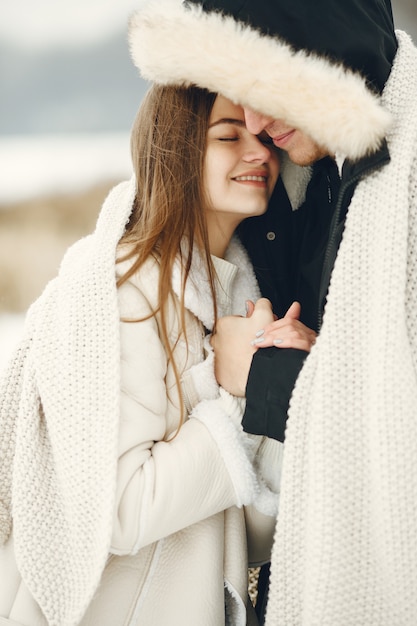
(235,283)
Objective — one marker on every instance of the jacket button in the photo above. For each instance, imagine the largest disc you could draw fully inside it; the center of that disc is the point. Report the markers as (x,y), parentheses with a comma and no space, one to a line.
(270,236)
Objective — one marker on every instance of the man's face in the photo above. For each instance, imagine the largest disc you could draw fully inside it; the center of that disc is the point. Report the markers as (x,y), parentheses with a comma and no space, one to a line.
(301,149)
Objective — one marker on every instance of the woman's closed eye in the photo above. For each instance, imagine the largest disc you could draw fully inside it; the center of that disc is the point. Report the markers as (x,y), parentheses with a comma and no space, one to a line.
(231,138)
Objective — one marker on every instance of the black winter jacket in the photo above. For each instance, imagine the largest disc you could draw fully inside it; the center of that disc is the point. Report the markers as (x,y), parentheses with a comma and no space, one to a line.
(294,253)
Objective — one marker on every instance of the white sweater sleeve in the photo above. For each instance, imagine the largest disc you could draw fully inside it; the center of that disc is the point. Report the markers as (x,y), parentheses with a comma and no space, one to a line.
(165,486)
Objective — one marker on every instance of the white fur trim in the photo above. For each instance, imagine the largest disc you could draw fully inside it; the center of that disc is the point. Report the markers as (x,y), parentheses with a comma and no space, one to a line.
(172,44)
(245,285)
(268,467)
(197,296)
(267,502)
(236,448)
(203,378)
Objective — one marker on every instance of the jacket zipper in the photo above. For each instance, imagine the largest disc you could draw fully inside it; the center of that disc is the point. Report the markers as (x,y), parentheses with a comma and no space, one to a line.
(366,167)
(330,245)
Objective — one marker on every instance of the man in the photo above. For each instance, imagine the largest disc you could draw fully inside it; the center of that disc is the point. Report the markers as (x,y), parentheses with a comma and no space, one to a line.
(335,89)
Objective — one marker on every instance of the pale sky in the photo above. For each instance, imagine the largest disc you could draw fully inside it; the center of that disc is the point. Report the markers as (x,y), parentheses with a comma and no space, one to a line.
(45,23)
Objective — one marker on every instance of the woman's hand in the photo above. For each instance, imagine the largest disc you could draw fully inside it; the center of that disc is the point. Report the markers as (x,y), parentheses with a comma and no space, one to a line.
(287,332)
(233,350)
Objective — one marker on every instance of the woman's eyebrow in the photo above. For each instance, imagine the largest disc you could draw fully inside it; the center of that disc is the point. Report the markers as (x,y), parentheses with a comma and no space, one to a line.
(228,120)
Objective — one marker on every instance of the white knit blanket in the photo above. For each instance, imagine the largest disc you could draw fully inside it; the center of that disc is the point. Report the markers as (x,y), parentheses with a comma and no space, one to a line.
(63,449)
(345,551)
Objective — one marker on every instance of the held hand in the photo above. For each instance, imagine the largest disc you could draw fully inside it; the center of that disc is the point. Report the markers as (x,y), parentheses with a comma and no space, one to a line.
(287,332)
(231,342)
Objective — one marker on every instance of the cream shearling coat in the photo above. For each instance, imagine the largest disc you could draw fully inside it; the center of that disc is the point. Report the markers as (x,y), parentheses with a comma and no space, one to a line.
(147,528)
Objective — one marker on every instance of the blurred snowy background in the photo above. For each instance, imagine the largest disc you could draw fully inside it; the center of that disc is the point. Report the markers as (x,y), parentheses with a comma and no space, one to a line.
(69,94)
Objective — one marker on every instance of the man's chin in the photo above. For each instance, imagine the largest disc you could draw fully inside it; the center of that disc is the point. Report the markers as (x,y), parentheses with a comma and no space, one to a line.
(304,158)
(303,161)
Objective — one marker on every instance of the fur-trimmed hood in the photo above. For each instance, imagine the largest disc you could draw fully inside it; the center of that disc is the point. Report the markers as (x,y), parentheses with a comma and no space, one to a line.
(221,47)
(174,43)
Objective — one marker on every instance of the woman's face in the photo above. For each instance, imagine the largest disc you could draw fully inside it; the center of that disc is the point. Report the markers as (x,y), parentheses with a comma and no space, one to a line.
(240,169)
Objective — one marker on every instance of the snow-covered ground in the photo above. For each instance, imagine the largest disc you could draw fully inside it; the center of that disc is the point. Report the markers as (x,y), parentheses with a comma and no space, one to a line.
(32,165)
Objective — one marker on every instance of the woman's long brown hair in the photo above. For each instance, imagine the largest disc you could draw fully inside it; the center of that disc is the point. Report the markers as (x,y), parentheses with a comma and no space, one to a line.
(168,143)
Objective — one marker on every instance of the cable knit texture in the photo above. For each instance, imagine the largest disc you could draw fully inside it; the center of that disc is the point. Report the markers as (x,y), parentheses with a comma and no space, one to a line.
(346,541)
(62,534)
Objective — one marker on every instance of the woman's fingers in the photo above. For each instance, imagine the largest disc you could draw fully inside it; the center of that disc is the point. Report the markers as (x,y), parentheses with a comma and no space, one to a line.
(250,307)
(285,333)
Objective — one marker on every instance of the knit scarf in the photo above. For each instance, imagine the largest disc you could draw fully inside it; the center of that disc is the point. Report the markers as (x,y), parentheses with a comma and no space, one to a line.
(59,424)
(346,539)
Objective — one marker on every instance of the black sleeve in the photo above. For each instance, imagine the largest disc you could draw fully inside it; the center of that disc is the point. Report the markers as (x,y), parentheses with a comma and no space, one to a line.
(270,384)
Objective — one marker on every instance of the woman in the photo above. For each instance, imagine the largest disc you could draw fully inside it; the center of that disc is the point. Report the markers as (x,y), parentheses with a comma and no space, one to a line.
(125,464)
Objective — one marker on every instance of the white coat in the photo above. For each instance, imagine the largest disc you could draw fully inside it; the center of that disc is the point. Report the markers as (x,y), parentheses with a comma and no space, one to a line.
(114,520)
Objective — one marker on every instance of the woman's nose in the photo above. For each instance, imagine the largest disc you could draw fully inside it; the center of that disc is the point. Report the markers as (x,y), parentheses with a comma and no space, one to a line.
(256,150)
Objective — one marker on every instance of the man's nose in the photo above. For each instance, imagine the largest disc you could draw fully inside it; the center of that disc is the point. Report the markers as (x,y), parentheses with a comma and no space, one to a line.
(256,122)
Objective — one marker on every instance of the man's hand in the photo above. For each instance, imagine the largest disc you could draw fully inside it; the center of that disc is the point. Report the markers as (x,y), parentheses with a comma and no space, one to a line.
(232,345)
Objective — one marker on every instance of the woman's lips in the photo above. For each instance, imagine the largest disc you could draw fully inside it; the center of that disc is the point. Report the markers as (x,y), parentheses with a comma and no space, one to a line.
(259,179)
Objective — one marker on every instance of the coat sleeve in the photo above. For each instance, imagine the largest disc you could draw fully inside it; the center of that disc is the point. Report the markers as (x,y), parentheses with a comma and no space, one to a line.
(270,384)
(165,485)
(261,516)
(199,382)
